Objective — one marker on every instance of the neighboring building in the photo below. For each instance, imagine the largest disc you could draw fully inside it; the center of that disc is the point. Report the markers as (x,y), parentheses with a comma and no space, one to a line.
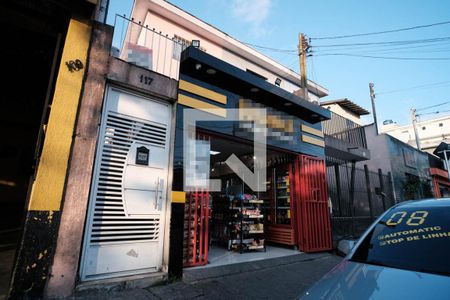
(409,167)
(345,139)
(431,132)
(346,109)
(183,28)
(107,200)
(358,195)
(439,170)
(45,56)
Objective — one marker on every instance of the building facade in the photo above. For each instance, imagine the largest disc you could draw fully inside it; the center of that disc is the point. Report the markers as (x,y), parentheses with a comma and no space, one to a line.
(409,167)
(48,42)
(358,194)
(108,200)
(431,132)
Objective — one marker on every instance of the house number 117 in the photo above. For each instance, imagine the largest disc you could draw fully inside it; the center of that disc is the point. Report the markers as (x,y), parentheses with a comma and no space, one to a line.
(145,79)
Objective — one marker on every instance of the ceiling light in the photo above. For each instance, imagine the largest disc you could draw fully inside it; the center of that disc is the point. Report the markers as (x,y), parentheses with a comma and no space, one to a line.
(254,90)
(210,71)
(214,152)
(287,104)
(198,66)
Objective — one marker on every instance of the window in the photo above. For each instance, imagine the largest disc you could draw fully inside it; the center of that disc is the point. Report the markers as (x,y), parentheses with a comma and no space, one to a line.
(409,237)
(409,158)
(423,128)
(441,125)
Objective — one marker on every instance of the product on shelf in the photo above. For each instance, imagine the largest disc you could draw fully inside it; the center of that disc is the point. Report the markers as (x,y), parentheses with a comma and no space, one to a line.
(246,228)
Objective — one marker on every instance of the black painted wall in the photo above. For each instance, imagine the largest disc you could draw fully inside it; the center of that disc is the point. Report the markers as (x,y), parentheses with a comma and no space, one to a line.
(35,254)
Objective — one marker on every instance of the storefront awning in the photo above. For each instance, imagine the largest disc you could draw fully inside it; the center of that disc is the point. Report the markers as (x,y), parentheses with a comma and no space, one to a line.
(198,64)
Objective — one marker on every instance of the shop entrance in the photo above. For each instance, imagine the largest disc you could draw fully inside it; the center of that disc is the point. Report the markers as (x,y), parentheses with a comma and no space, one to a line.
(126,218)
(237,224)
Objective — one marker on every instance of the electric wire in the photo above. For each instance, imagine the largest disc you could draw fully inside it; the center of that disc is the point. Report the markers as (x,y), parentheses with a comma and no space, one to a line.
(382,48)
(380,32)
(400,42)
(386,57)
(317,51)
(433,113)
(270,48)
(417,87)
(433,106)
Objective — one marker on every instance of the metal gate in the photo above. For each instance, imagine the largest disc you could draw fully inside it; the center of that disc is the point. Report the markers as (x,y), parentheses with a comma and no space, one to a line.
(125,224)
(312,213)
(196,221)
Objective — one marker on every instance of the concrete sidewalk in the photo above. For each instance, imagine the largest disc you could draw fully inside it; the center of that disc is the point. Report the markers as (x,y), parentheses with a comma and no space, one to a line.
(278,278)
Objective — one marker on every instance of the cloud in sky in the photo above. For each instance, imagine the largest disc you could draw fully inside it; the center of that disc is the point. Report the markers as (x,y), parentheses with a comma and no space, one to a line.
(253,12)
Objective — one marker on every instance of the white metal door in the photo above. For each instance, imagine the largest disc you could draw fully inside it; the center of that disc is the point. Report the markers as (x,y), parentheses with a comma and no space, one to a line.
(125,225)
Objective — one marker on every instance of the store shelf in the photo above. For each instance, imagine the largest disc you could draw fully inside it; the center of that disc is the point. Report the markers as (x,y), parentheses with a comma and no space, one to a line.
(258,201)
(253,216)
(245,229)
(256,231)
(251,247)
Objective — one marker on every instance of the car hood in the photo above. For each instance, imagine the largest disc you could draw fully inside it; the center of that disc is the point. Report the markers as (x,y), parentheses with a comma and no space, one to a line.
(352,280)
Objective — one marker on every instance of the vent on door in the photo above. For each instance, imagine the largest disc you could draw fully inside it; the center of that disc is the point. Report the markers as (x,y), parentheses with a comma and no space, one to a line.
(110,221)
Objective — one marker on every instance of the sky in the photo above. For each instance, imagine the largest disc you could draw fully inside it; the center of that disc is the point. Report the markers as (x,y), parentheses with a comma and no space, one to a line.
(401,81)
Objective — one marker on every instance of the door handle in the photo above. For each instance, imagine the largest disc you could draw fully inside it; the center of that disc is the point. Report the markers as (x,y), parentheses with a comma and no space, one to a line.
(156,193)
(159,186)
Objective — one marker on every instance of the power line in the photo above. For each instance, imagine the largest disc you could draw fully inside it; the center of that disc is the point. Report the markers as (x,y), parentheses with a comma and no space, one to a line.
(395,43)
(380,32)
(383,48)
(429,85)
(385,57)
(270,49)
(432,106)
(434,112)
(359,46)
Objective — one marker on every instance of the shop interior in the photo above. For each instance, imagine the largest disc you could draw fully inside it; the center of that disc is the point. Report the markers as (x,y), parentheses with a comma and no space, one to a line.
(246,225)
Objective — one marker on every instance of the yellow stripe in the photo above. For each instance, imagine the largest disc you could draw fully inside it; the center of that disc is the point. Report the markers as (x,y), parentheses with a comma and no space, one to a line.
(312,130)
(201,91)
(178,197)
(314,141)
(48,187)
(201,105)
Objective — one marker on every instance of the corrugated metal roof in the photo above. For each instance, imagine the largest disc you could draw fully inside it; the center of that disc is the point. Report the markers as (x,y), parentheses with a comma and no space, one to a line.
(349,105)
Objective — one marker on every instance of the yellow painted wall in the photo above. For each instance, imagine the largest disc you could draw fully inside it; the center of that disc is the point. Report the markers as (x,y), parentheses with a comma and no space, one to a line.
(178,197)
(48,187)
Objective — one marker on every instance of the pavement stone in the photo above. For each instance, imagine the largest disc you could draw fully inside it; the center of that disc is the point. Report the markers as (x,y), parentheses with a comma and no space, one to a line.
(285,278)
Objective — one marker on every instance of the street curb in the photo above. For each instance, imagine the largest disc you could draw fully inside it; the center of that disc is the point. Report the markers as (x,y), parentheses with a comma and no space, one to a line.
(195,275)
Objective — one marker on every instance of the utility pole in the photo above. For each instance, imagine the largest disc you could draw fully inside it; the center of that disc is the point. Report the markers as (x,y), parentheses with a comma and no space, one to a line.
(414,123)
(374,112)
(303,47)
